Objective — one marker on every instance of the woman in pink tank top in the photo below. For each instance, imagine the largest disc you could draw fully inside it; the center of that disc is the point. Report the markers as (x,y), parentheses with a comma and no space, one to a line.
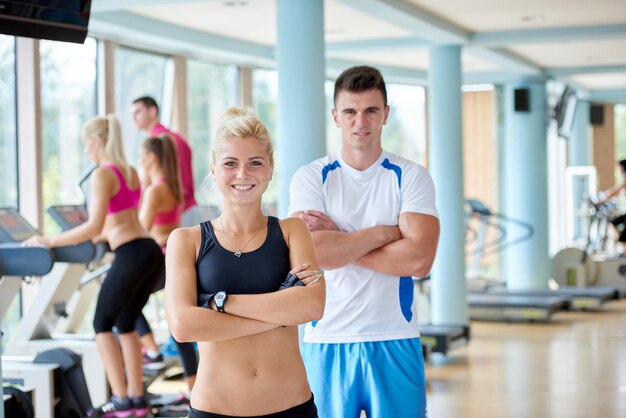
(160,212)
(136,267)
(162,200)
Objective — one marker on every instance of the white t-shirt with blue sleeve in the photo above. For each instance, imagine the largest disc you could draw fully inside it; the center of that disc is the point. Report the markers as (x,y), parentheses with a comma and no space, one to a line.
(362,304)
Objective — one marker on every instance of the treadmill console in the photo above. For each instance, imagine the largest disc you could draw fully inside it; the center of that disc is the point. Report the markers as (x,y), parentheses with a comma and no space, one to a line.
(478,207)
(68,216)
(71,216)
(13,227)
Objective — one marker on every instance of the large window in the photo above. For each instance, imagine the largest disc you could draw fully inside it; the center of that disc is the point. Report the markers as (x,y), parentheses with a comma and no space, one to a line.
(8,142)
(8,156)
(405,131)
(211,90)
(265,98)
(333,133)
(620,132)
(620,145)
(68,99)
(137,74)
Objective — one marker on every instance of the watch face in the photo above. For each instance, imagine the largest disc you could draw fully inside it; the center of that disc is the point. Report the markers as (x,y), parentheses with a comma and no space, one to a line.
(220,299)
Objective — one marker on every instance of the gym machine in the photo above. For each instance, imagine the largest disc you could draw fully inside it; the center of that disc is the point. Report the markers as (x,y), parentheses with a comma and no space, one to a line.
(36,331)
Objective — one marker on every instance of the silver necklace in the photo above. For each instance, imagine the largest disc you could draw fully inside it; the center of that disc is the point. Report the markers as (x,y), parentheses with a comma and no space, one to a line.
(237,252)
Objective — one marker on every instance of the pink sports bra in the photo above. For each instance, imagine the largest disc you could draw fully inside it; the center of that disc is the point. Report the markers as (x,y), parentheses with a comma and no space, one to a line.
(125,198)
(171,216)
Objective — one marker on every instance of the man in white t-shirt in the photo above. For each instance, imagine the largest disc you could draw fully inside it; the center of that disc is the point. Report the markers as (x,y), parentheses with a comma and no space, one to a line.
(374,222)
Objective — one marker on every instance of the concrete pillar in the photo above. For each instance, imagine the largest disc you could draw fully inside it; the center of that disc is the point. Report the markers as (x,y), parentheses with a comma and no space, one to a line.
(525,172)
(445,127)
(301,100)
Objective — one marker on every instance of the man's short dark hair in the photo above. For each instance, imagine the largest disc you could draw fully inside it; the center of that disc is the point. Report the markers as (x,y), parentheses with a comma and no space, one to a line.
(148,102)
(359,79)
(622,164)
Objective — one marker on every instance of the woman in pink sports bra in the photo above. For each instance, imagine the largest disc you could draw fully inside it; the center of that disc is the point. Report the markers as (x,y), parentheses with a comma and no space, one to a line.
(137,265)
(160,212)
(162,200)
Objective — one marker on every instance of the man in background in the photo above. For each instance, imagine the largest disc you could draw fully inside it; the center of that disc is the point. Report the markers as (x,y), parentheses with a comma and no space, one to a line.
(146,117)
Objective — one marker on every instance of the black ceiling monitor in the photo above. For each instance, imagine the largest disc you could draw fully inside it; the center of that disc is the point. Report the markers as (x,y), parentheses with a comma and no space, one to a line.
(564,112)
(58,20)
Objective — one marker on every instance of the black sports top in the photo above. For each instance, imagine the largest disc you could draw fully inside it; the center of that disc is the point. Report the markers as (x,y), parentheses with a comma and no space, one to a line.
(259,271)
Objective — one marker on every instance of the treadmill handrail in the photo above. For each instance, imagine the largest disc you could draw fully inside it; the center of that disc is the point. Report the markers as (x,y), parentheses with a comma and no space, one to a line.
(500,243)
(17,260)
(79,253)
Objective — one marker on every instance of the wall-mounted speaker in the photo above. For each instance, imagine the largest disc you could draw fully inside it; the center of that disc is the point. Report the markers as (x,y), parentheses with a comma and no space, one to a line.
(522,100)
(596,114)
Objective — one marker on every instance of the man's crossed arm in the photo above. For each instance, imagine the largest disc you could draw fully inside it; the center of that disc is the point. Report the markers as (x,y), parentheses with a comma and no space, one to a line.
(404,250)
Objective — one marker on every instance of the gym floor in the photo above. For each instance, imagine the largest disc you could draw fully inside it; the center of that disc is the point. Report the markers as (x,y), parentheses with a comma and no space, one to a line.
(573,367)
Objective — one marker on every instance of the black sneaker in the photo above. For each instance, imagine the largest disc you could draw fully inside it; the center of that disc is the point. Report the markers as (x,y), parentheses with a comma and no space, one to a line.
(113,408)
(147,358)
(173,411)
(182,399)
(141,406)
(179,407)
(153,363)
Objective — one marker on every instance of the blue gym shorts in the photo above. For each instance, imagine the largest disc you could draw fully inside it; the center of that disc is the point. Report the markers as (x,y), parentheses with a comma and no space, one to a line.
(383,378)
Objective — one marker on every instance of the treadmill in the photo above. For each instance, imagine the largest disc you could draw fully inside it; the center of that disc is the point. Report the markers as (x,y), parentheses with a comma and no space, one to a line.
(71,216)
(36,330)
(443,338)
(582,298)
(505,305)
(17,262)
(515,308)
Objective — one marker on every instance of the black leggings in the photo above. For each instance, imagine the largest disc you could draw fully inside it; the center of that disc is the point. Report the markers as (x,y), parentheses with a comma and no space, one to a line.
(620,220)
(137,266)
(187,350)
(304,410)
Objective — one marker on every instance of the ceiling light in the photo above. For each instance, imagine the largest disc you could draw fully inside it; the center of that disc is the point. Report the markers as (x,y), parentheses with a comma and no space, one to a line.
(533,18)
(234,3)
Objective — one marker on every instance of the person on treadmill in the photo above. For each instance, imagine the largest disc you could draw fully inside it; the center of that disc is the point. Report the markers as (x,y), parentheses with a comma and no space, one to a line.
(138,264)
(619,222)
(241,283)
(160,213)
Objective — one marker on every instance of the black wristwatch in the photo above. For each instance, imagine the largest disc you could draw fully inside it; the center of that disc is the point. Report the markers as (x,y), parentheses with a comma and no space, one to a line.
(220,299)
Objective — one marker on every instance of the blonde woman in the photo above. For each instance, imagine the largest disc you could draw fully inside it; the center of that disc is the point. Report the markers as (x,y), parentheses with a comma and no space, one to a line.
(137,265)
(223,281)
